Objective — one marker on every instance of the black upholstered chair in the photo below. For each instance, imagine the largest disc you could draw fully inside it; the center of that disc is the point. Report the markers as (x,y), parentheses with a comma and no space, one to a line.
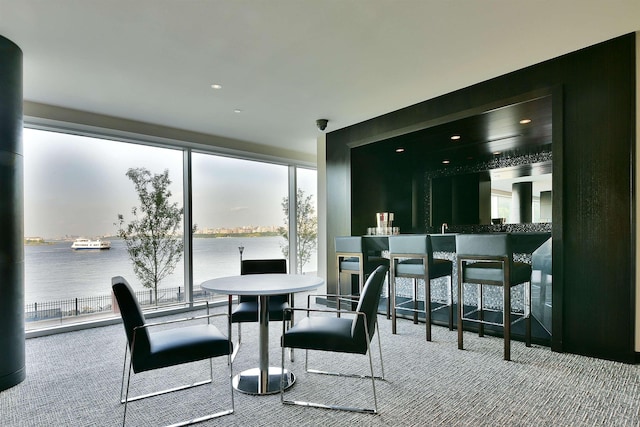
(348,334)
(150,346)
(412,256)
(247,308)
(487,260)
(353,257)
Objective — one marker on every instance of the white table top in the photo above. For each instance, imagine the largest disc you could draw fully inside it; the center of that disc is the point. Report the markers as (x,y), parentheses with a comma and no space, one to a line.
(262,284)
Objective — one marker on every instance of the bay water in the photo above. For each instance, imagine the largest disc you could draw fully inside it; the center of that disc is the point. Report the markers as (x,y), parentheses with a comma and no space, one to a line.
(55,272)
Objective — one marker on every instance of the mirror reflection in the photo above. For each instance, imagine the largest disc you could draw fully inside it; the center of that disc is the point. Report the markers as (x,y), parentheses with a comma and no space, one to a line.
(502,199)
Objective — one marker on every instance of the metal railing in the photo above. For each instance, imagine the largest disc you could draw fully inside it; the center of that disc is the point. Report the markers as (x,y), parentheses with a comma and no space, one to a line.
(69,308)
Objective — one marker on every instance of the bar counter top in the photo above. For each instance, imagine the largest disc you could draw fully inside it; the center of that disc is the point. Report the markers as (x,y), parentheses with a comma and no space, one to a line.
(523,242)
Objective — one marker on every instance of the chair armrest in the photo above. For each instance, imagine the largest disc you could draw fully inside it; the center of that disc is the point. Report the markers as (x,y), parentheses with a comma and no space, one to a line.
(192,304)
(333,295)
(324,310)
(340,297)
(320,310)
(184,319)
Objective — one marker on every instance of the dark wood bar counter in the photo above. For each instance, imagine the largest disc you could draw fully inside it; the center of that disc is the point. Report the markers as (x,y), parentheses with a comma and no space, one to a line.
(527,247)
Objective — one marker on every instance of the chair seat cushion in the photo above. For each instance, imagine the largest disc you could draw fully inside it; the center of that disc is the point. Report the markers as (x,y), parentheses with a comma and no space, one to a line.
(353,264)
(350,264)
(181,345)
(323,333)
(492,272)
(414,267)
(247,311)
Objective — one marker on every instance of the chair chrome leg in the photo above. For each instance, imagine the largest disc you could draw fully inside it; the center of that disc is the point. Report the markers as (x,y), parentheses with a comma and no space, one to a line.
(460,307)
(290,324)
(230,362)
(373,379)
(427,307)
(451,302)
(480,311)
(126,399)
(124,368)
(527,308)
(388,297)
(282,370)
(372,376)
(506,320)
(126,396)
(392,296)
(415,301)
(380,352)
(236,346)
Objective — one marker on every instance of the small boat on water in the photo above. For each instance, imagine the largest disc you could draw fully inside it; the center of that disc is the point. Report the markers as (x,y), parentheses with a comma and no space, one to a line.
(91,244)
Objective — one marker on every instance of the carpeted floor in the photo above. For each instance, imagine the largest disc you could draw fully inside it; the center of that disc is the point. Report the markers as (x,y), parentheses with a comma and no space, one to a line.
(73,379)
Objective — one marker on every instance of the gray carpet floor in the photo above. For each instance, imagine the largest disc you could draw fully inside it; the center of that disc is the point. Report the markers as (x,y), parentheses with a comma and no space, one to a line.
(73,379)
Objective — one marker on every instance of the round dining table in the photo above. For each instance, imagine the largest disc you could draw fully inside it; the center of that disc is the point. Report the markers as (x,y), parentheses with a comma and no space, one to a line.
(264,379)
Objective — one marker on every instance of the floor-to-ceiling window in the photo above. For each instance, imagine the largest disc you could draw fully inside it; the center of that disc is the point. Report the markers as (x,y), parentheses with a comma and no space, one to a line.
(74,188)
(307,220)
(236,207)
(77,186)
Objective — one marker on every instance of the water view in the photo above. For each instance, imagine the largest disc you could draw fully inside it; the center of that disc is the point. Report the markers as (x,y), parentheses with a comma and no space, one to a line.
(55,272)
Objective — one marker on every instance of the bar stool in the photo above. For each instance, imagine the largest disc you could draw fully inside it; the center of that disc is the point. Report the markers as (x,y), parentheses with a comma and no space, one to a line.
(352,257)
(412,256)
(488,260)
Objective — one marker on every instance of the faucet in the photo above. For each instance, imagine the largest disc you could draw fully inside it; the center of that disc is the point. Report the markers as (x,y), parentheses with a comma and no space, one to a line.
(444,227)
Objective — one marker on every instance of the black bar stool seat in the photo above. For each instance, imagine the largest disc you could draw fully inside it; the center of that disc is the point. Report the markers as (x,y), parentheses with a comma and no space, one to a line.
(487,260)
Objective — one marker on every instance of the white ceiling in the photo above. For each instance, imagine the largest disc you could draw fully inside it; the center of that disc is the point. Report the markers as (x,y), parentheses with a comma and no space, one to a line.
(285,63)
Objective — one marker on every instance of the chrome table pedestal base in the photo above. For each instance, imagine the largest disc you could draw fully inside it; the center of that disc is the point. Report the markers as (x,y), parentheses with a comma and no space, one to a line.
(249,381)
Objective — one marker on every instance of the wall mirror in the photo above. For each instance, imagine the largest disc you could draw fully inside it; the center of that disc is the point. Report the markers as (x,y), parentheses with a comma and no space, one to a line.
(446,172)
(502,197)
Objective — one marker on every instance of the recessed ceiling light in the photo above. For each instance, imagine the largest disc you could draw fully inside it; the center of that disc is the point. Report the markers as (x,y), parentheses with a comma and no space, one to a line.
(216,86)
(525,121)
(446,162)
(455,137)
(237,111)
(497,152)
(399,150)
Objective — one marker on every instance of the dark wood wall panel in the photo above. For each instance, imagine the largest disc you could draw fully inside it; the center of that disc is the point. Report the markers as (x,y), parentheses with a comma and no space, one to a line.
(338,204)
(385,187)
(594,238)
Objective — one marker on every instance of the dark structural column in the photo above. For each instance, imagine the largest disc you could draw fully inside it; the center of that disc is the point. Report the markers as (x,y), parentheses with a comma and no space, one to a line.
(12,353)
(521,202)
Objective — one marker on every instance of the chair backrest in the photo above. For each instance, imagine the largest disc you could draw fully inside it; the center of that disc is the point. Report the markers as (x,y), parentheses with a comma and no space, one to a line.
(498,244)
(132,316)
(262,266)
(368,303)
(411,244)
(349,244)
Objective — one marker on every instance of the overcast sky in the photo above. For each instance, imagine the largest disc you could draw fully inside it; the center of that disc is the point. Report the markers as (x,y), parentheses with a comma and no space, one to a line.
(77,186)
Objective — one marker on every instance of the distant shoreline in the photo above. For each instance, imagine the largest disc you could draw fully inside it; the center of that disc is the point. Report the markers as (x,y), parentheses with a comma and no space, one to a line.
(214,235)
(40,242)
(36,241)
